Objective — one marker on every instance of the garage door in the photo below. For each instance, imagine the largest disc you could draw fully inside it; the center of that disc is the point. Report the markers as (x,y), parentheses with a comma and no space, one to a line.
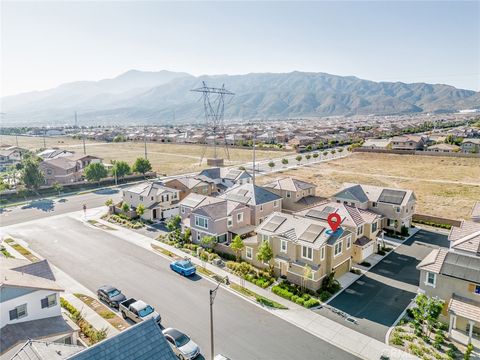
(342,269)
(368,250)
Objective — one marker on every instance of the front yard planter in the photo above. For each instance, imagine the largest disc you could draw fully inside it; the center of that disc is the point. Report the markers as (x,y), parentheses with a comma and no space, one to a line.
(295,294)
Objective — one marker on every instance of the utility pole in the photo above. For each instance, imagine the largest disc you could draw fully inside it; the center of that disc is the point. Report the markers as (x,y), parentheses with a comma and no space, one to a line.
(253,172)
(145,140)
(84,147)
(16,138)
(44,134)
(213,293)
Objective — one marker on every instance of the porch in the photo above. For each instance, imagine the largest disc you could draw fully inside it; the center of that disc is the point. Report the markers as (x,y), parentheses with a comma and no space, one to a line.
(464,325)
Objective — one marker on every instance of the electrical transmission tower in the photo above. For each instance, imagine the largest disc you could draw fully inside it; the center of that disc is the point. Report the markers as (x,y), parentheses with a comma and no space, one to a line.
(214,107)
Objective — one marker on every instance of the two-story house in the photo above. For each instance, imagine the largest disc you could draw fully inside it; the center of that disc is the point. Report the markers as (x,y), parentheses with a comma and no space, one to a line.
(224,178)
(408,142)
(222,220)
(10,156)
(188,184)
(363,224)
(396,205)
(160,201)
(470,146)
(66,169)
(295,193)
(453,275)
(261,202)
(30,305)
(301,244)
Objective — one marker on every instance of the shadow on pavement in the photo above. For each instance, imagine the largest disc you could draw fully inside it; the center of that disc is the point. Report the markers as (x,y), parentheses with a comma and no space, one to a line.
(62,200)
(42,204)
(194,277)
(106,191)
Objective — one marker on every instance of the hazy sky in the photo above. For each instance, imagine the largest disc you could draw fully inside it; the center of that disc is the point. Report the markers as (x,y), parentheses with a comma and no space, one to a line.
(45,44)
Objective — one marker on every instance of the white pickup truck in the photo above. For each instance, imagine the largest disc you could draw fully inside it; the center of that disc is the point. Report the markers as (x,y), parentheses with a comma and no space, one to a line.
(137,310)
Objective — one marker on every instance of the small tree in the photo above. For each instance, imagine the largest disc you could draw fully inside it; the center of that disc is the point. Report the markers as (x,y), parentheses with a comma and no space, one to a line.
(208,241)
(57,187)
(237,245)
(325,153)
(315,155)
(95,172)
(187,235)
(271,164)
(332,151)
(142,165)
(426,312)
(284,161)
(265,253)
(140,210)
(174,222)
(340,150)
(299,158)
(308,156)
(309,148)
(320,145)
(109,202)
(307,275)
(120,169)
(32,177)
(125,207)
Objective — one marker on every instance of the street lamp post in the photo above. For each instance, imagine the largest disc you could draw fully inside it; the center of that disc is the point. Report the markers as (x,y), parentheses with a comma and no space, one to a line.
(213,293)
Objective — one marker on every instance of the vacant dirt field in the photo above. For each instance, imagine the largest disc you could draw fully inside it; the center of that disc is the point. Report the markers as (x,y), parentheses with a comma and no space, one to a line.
(444,186)
(165,158)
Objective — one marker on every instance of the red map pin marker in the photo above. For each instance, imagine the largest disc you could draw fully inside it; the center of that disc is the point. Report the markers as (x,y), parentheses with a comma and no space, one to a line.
(334,221)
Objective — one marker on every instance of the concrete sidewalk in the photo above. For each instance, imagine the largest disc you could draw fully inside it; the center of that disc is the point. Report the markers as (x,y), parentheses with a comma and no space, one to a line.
(322,327)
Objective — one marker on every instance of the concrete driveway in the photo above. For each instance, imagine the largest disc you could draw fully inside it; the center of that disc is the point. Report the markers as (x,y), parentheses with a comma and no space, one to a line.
(379,297)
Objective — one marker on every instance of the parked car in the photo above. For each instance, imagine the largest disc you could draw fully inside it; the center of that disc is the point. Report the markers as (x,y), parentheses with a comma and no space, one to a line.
(138,310)
(183,267)
(221,357)
(184,347)
(110,295)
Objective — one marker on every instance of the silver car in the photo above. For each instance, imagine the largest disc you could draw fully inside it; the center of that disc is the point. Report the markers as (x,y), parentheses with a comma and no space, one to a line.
(184,347)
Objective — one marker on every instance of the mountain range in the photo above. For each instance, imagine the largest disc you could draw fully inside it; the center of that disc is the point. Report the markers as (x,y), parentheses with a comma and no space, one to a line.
(141,97)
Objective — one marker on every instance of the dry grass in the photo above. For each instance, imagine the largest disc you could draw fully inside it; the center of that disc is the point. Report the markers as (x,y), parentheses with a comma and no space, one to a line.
(165,158)
(446,187)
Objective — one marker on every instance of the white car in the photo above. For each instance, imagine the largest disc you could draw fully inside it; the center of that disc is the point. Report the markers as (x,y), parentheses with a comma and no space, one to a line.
(184,347)
(221,357)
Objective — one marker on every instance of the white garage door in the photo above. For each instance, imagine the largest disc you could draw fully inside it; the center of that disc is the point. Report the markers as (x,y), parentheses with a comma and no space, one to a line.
(368,250)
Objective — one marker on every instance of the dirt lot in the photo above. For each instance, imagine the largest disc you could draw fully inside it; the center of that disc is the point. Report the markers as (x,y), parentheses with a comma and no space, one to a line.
(444,186)
(165,158)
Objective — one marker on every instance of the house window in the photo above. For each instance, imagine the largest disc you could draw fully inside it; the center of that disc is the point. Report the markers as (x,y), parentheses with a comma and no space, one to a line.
(229,221)
(19,312)
(374,204)
(288,194)
(151,198)
(174,196)
(141,198)
(431,279)
(397,209)
(374,227)
(239,217)
(322,253)
(49,301)
(476,290)
(337,249)
(391,222)
(349,242)
(360,230)
(261,207)
(183,209)
(307,253)
(283,246)
(221,238)
(275,203)
(248,252)
(199,237)
(201,222)
(265,237)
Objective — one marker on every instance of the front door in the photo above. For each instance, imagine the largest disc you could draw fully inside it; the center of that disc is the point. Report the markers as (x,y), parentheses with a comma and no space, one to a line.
(154,213)
(283,268)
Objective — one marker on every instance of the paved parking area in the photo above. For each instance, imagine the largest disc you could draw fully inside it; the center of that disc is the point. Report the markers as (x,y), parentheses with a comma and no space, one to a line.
(378,298)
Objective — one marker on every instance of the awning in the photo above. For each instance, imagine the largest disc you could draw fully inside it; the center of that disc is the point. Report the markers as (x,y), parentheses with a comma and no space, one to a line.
(466,308)
(243,230)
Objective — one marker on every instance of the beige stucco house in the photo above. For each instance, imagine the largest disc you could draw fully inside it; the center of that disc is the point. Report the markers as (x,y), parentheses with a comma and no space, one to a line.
(397,206)
(453,275)
(188,184)
(408,142)
(300,244)
(66,169)
(296,194)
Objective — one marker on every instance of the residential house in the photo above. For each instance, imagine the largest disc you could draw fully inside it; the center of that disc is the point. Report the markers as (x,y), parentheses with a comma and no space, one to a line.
(475,214)
(261,202)
(188,184)
(299,244)
(160,201)
(377,144)
(470,146)
(396,205)
(10,156)
(364,225)
(142,341)
(444,148)
(453,275)
(54,153)
(66,169)
(224,178)
(296,194)
(30,305)
(193,201)
(299,141)
(408,142)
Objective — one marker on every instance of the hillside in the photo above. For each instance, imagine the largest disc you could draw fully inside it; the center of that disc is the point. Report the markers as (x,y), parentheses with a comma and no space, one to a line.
(138,97)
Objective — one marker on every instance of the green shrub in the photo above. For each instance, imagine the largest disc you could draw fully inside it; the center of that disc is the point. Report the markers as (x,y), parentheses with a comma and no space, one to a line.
(365,263)
(381,252)
(311,303)
(306,297)
(282,292)
(468,352)
(300,301)
(397,340)
(226,256)
(325,295)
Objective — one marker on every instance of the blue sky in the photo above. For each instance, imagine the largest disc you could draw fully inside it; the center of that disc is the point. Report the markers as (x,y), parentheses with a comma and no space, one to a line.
(45,44)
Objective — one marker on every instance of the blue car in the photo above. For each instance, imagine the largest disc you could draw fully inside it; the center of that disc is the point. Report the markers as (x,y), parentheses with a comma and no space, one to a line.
(183,267)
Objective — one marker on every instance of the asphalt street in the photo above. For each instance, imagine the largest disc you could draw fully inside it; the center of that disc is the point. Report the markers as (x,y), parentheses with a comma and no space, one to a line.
(242,330)
(379,297)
